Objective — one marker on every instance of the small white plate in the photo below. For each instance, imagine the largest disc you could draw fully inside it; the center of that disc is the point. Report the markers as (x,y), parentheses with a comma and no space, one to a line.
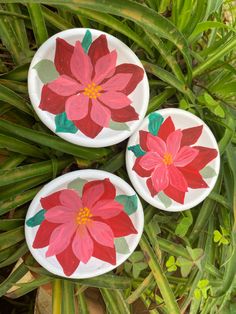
(84,224)
(173,160)
(88,87)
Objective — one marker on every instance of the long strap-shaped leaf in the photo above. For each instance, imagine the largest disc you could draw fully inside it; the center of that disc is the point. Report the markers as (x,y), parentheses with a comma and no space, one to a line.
(114,301)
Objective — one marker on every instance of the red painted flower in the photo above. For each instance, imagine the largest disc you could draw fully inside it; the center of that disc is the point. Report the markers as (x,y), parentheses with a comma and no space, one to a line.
(91,89)
(171,163)
(76,228)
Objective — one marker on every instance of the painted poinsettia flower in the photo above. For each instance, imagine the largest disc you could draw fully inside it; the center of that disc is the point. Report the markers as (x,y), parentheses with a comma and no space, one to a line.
(171,163)
(76,228)
(91,88)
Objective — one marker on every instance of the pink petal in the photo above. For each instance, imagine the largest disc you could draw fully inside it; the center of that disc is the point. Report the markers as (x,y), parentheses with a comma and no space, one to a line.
(60,214)
(102,233)
(150,161)
(70,199)
(107,209)
(82,244)
(105,67)
(77,107)
(160,178)
(115,100)
(92,194)
(81,65)
(60,238)
(117,82)
(185,156)
(177,179)
(100,114)
(173,142)
(156,144)
(65,86)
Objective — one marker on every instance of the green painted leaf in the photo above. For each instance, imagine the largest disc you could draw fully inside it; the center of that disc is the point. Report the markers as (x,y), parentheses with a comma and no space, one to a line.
(36,219)
(138,267)
(164,199)
(183,226)
(77,184)
(137,150)
(118,126)
(208,172)
(130,203)
(121,246)
(87,40)
(64,125)
(155,121)
(46,71)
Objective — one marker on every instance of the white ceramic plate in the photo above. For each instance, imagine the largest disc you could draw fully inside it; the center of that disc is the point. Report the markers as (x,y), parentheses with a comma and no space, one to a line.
(173,160)
(88,87)
(84,224)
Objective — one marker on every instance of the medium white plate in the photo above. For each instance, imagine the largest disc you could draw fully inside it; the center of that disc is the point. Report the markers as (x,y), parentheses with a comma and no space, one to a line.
(173,160)
(111,234)
(94,116)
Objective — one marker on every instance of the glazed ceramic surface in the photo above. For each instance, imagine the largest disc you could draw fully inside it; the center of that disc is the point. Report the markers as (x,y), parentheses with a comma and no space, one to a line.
(173,160)
(84,223)
(88,87)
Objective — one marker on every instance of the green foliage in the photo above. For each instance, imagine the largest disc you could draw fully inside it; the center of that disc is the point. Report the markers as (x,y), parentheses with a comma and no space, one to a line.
(185,262)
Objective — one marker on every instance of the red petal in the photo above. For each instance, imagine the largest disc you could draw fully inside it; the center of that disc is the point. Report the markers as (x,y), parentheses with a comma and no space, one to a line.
(191,135)
(51,101)
(63,55)
(143,139)
(137,76)
(88,126)
(43,234)
(98,49)
(109,189)
(68,261)
(104,253)
(151,187)
(193,178)
(204,156)
(175,194)
(121,225)
(166,128)
(139,170)
(125,114)
(51,200)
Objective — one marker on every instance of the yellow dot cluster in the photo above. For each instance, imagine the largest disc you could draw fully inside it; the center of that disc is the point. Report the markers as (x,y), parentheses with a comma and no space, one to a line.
(92,90)
(168,159)
(84,215)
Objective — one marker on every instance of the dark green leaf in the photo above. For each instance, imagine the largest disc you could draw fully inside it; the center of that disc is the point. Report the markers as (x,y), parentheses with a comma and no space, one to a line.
(36,219)
(64,125)
(155,121)
(130,203)
(137,150)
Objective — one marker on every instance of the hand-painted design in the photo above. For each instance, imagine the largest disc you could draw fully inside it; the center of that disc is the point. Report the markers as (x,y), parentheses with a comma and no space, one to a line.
(75,227)
(91,88)
(169,161)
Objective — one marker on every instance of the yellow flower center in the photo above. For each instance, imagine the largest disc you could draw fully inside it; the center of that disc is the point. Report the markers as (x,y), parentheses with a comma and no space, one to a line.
(84,215)
(92,90)
(168,160)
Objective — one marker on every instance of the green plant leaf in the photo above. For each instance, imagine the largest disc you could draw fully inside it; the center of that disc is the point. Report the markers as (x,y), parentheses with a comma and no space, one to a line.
(185,265)
(130,203)
(46,71)
(224,231)
(195,254)
(217,236)
(197,294)
(36,219)
(118,126)
(183,226)
(137,256)
(155,121)
(138,267)
(170,262)
(128,267)
(87,40)
(164,199)
(208,172)
(213,105)
(137,150)
(203,283)
(64,125)
(77,184)
(121,246)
